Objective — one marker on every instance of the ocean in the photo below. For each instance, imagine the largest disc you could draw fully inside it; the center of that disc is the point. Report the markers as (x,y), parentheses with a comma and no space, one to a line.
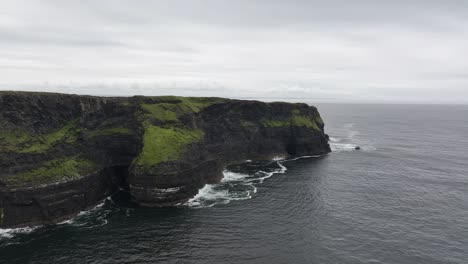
(401,198)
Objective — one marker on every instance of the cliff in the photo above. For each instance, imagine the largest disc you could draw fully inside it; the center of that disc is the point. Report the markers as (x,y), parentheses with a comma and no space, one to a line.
(60,154)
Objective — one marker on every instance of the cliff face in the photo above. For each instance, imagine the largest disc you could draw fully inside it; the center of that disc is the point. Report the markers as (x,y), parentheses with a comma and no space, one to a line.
(60,154)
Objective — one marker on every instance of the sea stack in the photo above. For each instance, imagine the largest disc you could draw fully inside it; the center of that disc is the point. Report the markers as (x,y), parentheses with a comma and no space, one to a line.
(60,153)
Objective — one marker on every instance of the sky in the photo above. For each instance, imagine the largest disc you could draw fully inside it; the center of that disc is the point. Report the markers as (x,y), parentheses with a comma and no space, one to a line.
(364,51)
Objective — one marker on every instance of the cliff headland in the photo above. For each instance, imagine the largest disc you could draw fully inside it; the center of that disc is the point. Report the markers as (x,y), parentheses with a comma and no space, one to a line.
(60,153)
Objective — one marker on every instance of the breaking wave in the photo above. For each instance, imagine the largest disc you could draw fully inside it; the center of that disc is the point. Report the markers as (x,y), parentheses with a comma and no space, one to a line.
(97,216)
(94,217)
(11,232)
(239,183)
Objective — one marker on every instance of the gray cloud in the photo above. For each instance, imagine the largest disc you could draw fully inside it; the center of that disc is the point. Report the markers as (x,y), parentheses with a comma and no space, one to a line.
(349,51)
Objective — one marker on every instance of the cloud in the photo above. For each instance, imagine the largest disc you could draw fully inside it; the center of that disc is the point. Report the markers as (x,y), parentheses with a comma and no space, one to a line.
(348,51)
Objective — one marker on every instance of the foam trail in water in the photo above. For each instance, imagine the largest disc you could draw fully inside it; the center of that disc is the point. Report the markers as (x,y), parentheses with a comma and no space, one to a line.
(207,194)
(339,147)
(11,232)
(344,147)
(230,176)
(349,142)
(279,158)
(91,218)
(235,186)
(283,169)
(303,157)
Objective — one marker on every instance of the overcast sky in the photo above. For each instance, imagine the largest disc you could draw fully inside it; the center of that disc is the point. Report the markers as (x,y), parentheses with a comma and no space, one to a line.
(323,51)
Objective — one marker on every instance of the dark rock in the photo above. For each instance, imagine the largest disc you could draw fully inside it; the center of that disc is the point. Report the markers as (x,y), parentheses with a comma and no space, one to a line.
(60,154)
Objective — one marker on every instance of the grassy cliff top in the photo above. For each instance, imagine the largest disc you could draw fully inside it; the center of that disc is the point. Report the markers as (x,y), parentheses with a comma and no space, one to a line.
(55,170)
(63,131)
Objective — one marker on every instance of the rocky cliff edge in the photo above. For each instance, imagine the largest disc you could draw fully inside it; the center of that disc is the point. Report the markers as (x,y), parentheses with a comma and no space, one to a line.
(60,154)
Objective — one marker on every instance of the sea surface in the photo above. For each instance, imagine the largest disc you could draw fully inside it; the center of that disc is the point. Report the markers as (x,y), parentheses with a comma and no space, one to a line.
(401,198)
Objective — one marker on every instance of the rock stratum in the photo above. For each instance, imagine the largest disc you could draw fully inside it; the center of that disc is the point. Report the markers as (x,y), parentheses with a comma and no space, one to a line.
(61,154)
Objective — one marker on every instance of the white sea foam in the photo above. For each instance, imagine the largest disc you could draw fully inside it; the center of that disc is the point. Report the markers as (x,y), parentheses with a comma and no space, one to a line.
(278,158)
(233,187)
(303,157)
(95,208)
(207,194)
(11,232)
(349,141)
(81,214)
(67,222)
(230,176)
(283,169)
(346,147)
(265,176)
(349,126)
(339,147)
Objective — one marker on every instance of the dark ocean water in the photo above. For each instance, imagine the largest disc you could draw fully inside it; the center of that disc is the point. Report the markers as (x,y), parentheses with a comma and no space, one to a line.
(402,198)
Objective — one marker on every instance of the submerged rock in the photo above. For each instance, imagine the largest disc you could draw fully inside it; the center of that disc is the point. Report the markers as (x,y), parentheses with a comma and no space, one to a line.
(60,154)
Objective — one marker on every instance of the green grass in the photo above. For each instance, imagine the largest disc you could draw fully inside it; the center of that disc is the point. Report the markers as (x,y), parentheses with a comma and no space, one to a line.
(22,142)
(196,104)
(170,108)
(319,120)
(275,123)
(161,111)
(165,144)
(53,171)
(298,120)
(295,120)
(10,141)
(111,131)
(44,142)
(193,104)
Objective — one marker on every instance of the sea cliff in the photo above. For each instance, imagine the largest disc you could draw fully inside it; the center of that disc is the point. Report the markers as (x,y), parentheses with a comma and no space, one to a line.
(60,153)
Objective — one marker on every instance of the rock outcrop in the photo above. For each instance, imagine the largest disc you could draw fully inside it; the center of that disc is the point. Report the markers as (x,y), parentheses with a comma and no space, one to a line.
(60,154)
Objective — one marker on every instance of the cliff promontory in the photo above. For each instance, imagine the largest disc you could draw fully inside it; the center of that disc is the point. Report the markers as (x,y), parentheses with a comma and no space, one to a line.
(60,154)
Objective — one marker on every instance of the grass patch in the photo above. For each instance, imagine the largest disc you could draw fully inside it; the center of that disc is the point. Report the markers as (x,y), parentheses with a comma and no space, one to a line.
(170,108)
(193,104)
(165,144)
(111,131)
(23,142)
(44,142)
(161,111)
(54,171)
(11,141)
(298,120)
(196,104)
(295,120)
(275,123)
(319,120)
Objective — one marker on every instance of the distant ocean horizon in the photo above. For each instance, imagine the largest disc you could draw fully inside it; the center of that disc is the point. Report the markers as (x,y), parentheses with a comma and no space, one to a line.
(401,198)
